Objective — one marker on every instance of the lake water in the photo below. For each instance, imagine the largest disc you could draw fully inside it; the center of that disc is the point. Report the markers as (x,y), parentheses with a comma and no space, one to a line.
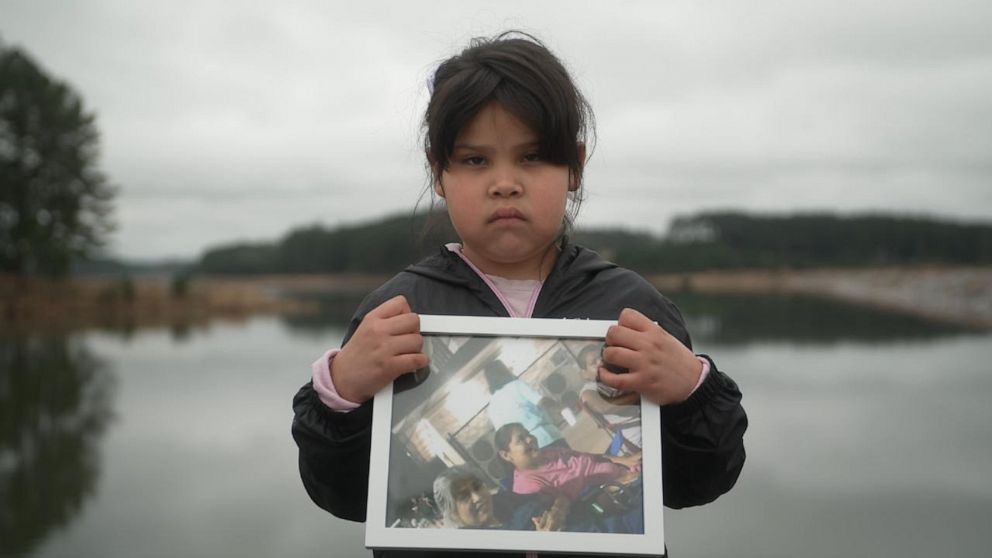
(871,435)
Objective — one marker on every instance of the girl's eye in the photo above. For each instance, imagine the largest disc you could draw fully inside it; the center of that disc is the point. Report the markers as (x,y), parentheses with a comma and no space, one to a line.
(532,157)
(473,161)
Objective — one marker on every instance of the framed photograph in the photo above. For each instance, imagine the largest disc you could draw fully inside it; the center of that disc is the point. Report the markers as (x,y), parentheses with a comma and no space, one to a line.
(508,442)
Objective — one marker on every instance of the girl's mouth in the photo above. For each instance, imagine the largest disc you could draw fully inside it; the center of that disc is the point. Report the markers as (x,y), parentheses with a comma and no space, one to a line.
(506,213)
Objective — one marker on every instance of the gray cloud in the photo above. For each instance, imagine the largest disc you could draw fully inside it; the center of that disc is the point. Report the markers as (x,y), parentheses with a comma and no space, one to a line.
(225,122)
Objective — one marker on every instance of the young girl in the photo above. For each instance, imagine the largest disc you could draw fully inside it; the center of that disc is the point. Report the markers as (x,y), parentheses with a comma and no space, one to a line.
(558,470)
(506,145)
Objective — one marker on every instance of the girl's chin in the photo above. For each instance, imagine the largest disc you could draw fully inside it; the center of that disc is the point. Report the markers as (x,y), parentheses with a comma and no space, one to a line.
(514,247)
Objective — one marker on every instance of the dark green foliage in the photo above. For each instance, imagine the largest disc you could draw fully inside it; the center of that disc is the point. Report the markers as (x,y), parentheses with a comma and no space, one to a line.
(727,240)
(700,242)
(733,240)
(384,246)
(240,259)
(54,202)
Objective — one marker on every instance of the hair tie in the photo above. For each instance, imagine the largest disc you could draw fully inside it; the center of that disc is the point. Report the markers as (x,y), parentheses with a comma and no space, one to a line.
(430,77)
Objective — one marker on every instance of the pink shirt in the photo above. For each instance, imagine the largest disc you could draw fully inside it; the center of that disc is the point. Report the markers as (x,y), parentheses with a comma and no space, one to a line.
(566,473)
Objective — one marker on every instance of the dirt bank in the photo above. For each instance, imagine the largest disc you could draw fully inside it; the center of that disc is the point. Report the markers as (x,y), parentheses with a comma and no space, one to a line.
(961,295)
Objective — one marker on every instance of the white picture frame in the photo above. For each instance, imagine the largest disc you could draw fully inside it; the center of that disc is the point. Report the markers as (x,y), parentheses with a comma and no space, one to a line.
(436,419)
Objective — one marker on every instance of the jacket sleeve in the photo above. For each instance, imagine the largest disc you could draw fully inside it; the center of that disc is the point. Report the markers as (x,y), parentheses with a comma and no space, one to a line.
(702,438)
(703,442)
(334,446)
(334,453)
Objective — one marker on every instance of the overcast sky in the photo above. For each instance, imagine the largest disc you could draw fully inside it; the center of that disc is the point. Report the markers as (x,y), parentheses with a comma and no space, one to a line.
(225,121)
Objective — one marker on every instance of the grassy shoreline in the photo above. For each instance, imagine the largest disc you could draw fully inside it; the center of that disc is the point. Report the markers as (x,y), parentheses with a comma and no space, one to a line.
(121,302)
(959,295)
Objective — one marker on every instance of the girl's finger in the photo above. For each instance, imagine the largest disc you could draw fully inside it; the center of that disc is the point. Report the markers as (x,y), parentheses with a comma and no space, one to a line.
(392,307)
(622,336)
(406,344)
(623,357)
(401,364)
(632,319)
(628,381)
(401,323)
(635,320)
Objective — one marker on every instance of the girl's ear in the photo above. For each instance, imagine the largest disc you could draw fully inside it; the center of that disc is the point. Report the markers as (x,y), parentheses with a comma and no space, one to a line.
(504,455)
(435,176)
(573,178)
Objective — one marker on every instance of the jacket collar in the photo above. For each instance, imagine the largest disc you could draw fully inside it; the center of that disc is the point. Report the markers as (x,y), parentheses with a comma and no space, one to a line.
(574,269)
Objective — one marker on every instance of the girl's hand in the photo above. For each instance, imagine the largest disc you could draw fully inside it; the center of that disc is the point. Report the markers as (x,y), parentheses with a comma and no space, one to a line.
(554,518)
(659,366)
(629,461)
(386,344)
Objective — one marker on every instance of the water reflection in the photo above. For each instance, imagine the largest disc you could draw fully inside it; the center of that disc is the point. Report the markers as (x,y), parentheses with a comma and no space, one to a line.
(839,452)
(728,319)
(55,403)
(334,312)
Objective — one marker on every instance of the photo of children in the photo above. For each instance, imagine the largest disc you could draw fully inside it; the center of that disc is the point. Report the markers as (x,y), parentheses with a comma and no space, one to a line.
(510,433)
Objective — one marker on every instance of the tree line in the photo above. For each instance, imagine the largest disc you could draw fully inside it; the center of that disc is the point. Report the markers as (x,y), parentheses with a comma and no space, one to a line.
(714,240)
(55,202)
(382,246)
(733,240)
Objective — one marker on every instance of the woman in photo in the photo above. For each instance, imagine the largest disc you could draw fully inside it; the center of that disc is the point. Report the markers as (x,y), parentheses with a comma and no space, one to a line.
(467,503)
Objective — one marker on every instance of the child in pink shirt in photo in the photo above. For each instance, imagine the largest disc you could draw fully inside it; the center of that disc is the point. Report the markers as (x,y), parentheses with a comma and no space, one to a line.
(557,469)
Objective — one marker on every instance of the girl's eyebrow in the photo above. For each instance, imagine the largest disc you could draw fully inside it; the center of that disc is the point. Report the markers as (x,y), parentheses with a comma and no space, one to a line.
(484,147)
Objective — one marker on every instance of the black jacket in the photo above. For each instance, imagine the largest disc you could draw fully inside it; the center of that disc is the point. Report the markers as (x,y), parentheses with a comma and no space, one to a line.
(702,437)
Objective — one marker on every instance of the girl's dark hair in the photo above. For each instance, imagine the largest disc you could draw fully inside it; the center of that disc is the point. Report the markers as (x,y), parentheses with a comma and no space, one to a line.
(497,375)
(502,437)
(517,71)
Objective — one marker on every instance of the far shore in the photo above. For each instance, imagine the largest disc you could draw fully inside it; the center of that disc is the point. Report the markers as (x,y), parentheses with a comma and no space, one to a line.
(959,295)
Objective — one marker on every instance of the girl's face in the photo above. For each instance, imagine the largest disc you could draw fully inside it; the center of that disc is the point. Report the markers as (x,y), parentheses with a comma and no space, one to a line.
(506,204)
(522,451)
(473,503)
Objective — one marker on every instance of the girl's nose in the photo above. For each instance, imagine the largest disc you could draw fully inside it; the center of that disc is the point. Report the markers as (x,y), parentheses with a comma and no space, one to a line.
(506,183)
